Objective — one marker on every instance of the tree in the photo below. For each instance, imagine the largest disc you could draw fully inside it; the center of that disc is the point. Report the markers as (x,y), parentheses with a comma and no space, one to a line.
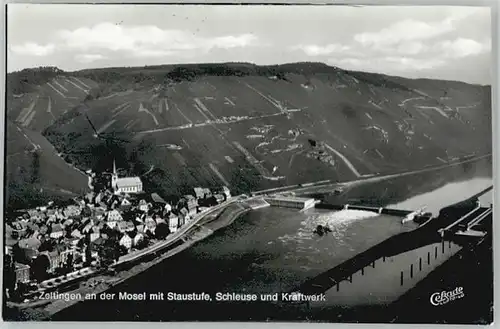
(312,142)
(209,202)
(93,93)
(122,250)
(19,292)
(35,174)
(143,243)
(88,250)
(39,268)
(19,255)
(162,231)
(113,234)
(69,262)
(81,243)
(109,252)
(86,212)
(149,234)
(78,259)
(245,179)
(29,232)
(9,273)
(67,231)
(22,288)
(59,271)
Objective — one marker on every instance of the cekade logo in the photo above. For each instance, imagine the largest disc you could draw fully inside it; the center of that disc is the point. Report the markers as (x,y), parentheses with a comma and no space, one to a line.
(444,297)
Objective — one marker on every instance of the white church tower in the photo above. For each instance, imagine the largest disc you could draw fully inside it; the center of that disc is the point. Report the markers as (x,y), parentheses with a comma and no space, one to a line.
(114,177)
(125,184)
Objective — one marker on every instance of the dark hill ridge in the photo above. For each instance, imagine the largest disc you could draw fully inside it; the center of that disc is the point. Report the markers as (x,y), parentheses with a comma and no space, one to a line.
(254,127)
(26,80)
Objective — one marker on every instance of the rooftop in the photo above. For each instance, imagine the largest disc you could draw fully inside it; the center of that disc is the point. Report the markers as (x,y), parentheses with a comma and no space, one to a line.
(128,181)
(29,243)
(157,198)
(21,266)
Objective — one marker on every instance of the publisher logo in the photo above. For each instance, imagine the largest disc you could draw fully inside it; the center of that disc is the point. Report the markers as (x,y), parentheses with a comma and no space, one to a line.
(444,297)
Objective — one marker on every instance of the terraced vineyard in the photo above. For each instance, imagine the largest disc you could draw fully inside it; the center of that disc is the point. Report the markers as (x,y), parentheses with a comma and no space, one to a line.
(268,127)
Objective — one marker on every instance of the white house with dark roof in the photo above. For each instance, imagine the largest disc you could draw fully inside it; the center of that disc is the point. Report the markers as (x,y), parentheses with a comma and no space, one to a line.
(226,192)
(57,231)
(138,238)
(144,206)
(150,224)
(125,226)
(76,233)
(168,207)
(125,203)
(173,222)
(94,236)
(114,216)
(199,192)
(159,220)
(125,184)
(112,224)
(126,241)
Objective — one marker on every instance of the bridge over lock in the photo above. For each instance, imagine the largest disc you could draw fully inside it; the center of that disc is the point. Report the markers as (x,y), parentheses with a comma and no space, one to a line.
(464,226)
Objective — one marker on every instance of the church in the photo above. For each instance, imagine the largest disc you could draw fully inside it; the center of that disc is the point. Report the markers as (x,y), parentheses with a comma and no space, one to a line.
(125,184)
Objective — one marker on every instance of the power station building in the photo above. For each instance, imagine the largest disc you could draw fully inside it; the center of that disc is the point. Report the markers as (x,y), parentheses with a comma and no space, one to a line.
(290,202)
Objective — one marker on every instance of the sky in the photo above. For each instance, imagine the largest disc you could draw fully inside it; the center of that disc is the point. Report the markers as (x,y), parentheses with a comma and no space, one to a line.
(452,43)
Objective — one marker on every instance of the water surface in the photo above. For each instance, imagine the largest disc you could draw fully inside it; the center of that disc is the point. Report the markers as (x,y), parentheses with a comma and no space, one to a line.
(275,249)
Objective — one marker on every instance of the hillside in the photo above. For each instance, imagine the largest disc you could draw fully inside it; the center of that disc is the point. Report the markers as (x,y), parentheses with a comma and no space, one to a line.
(35,173)
(34,170)
(253,127)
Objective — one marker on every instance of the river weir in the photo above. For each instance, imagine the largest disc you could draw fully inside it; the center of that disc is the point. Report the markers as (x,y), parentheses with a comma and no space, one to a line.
(274,250)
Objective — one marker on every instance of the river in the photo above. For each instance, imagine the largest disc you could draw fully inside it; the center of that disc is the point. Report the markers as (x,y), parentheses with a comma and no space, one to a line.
(274,249)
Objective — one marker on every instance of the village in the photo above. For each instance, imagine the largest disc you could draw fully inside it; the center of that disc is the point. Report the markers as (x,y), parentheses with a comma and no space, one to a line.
(93,231)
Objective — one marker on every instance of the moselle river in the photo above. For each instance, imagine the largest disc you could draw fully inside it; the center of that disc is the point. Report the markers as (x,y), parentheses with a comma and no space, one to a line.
(461,181)
(274,250)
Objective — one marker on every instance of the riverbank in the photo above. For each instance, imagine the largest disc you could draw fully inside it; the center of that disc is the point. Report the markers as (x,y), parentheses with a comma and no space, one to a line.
(124,262)
(44,310)
(250,248)
(264,251)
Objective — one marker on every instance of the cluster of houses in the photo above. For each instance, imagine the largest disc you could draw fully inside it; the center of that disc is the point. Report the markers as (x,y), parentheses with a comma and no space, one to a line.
(53,239)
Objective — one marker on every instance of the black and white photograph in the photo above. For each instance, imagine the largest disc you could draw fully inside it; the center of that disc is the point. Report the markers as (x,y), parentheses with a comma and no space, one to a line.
(248,163)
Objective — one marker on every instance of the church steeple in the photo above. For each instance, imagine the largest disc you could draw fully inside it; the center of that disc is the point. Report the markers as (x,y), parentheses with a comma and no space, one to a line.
(114,177)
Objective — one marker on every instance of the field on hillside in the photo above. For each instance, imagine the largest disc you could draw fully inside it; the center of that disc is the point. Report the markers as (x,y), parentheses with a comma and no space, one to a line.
(259,131)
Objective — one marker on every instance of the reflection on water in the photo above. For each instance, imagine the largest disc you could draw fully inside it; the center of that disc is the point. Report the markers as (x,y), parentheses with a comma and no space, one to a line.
(447,195)
(389,278)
